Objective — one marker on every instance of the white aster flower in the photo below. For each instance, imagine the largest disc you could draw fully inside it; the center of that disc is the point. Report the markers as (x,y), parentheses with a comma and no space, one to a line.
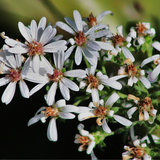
(155,59)
(137,152)
(11,65)
(120,43)
(56,110)
(86,140)
(97,82)
(133,73)
(139,33)
(102,112)
(93,21)
(145,107)
(56,76)
(39,41)
(84,42)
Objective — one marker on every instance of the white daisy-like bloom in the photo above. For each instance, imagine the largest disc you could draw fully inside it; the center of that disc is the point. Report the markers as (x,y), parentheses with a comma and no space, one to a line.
(57,110)
(84,41)
(11,65)
(93,21)
(86,140)
(139,33)
(137,152)
(134,74)
(120,43)
(97,82)
(155,59)
(145,107)
(56,76)
(39,40)
(102,112)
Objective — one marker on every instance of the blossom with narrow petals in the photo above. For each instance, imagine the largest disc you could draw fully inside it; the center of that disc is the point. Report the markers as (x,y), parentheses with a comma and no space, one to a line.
(139,33)
(93,21)
(56,110)
(120,43)
(55,76)
(10,65)
(145,107)
(155,59)
(134,74)
(97,82)
(86,140)
(38,41)
(137,152)
(102,112)
(84,41)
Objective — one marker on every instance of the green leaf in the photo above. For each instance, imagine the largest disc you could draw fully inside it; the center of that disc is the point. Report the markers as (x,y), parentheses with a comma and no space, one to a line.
(124,96)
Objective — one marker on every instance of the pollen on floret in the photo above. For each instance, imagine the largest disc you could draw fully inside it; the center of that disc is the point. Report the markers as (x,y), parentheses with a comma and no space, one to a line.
(130,68)
(140,28)
(80,38)
(35,48)
(92,21)
(117,40)
(14,75)
(51,112)
(56,76)
(92,81)
(146,104)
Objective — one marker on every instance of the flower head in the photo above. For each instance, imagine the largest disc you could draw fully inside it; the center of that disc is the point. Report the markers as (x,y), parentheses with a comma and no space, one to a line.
(38,41)
(139,32)
(145,107)
(56,110)
(102,112)
(84,41)
(133,73)
(10,65)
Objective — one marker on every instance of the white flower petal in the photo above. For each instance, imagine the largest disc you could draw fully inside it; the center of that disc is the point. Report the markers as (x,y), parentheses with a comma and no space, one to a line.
(24,89)
(34,119)
(65,115)
(146,116)
(150,59)
(24,32)
(33,28)
(122,120)
(141,40)
(85,115)
(82,109)
(64,91)
(71,23)
(12,42)
(105,45)
(147,157)
(75,73)
(68,52)
(78,55)
(90,147)
(93,157)
(47,65)
(18,49)
(69,108)
(95,96)
(131,111)
(51,94)
(128,54)
(26,66)
(156,45)
(155,72)
(9,93)
(93,45)
(112,99)
(120,30)
(105,126)
(52,130)
(4,81)
(70,84)
(36,63)
(78,20)
(36,88)
(104,13)
(61,103)
(145,81)
(65,27)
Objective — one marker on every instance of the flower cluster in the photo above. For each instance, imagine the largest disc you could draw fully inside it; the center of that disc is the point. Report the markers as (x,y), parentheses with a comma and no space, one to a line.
(93,64)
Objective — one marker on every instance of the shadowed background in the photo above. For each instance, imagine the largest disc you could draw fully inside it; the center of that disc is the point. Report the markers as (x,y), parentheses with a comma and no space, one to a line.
(16,139)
